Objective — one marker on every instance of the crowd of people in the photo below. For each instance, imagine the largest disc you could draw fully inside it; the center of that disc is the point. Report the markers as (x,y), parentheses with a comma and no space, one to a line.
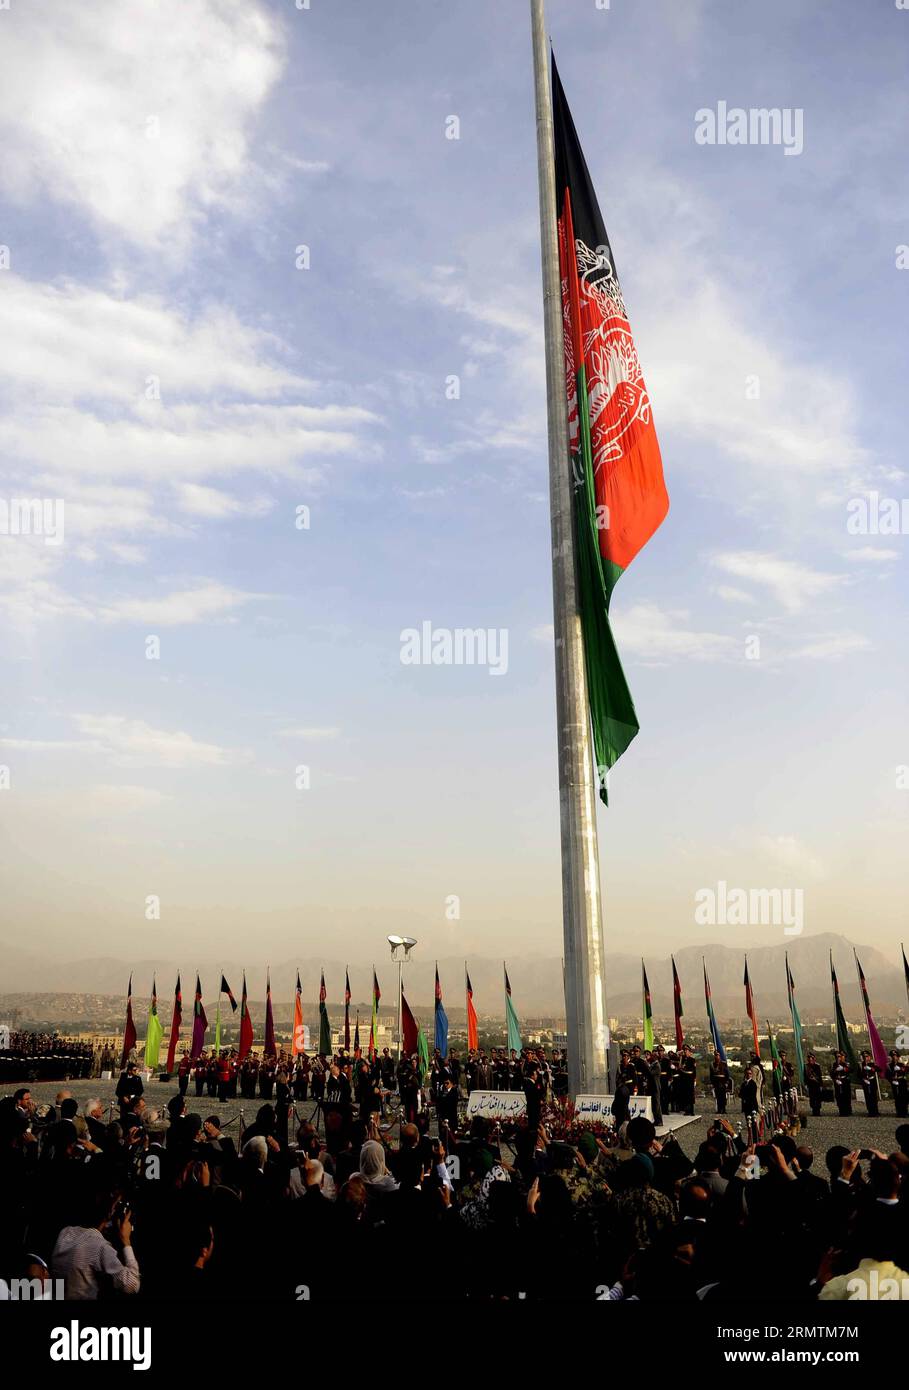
(164,1203)
(44,1056)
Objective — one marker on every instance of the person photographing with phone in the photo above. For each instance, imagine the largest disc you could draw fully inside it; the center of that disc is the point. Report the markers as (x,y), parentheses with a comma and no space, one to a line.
(84,1256)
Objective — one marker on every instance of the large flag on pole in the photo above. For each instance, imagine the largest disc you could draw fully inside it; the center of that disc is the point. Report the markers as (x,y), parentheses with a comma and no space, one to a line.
(299,1037)
(796,1024)
(473,1034)
(776,1065)
(175,1023)
(270,1048)
(620,497)
(711,1016)
(647,1010)
(440,1041)
(218,1024)
(843,1041)
(423,1056)
(246,1028)
(905,968)
(200,1023)
(677,1006)
(223,988)
(512,1027)
(129,1031)
(153,1031)
(374,1023)
(346,1009)
(410,1033)
(878,1050)
(325,1048)
(749,1009)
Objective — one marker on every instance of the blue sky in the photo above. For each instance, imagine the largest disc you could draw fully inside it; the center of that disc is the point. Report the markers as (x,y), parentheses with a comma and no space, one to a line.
(166,163)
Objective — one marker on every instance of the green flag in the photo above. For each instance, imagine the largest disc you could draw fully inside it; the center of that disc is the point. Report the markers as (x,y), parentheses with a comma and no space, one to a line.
(775,1060)
(153,1032)
(513,1028)
(843,1043)
(796,1024)
(647,1011)
(423,1055)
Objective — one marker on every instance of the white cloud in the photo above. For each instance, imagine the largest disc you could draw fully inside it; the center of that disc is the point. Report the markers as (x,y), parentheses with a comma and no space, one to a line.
(83,87)
(657,636)
(179,608)
(211,502)
(790,582)
(730,594)
(789,852)
(833,647)
(133,743)
(871,555)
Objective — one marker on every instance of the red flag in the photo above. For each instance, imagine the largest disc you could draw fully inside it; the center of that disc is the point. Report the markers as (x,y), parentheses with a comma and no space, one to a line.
(270,1047)
(677,1005)
(472,1030)
(346,1010)
(878,1050)
(299,1034)
(129,1033)
(175,1026)
(409,1030)
(246,1028)
(749,1006)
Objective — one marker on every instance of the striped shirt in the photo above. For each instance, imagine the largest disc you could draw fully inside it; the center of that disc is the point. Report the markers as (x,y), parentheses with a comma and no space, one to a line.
(81,1254)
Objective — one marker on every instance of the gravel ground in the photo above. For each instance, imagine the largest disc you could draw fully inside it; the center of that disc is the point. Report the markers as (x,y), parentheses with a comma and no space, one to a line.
(859,1131)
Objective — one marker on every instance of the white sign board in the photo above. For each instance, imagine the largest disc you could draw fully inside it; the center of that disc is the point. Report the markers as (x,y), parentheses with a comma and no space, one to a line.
(4,1037)
(496,1105)
(600,1108)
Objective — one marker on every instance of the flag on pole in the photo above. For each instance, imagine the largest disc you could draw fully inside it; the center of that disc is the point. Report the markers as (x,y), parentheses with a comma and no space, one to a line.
(218,1025)
(226,989)
(246,1028)
(346,1009)
(843,1041)
(153,1031)
(374,1024)
(175,1023)
(299,1038)
(711,1016)
(777,1069)
(473,1033)
(878,1050)
(423,1056)
(796,1024)
(129,1032)
(647,1011)
(677,1006)
(440,1041)
(410,1033)
(358,1051)
(325,1048)
(749,1008)
(270,1048)
(200,1023)
(905,968)
(512,1027)
(621,497)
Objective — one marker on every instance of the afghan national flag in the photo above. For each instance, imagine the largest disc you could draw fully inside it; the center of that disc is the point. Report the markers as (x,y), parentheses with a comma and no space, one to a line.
(299,1037)
(410,1033)
(175,1023)
(749,1009)
(246,1028)
(129,1032)
(153,1031)
(358,1051)
(441,1020)
(200,1023)
(423,1056)
(677,1006)
(796,1024)
(711,1017)
(270,1048)
(473,1032)
(374,1024)
(346,1010)
(226,989)
(647,1011)
(878,1050)
(512,1027)
(905,968)
(325,1048)
(620,497)
(777,1073)
(843,1041)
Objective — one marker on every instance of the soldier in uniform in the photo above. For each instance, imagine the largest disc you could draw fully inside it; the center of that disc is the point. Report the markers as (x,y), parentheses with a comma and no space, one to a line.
(842,1084)
(688,1068)
(898,1076)
(815,1082)
(721,1082)
(868,1075)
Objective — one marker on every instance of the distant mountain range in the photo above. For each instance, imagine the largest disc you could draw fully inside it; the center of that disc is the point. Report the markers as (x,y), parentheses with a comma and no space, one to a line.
(536,980)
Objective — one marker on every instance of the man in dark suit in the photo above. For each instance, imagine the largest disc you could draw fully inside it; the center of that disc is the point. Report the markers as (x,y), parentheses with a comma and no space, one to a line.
(129,1089)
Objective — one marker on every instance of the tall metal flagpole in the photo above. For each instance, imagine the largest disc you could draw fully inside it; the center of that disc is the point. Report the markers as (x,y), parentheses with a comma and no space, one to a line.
(585,994)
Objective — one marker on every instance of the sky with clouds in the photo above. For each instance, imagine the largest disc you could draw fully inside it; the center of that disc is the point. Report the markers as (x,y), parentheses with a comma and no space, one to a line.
(244,261)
